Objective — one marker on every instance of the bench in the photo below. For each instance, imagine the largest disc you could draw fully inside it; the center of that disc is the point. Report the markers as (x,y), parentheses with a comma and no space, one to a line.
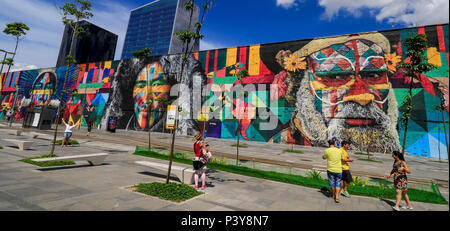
(186,175)
(14,132)
(34,135)
(93,159)
(22,144)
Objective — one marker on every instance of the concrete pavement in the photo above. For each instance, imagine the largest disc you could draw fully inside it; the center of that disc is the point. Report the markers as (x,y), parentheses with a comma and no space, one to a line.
(93,188)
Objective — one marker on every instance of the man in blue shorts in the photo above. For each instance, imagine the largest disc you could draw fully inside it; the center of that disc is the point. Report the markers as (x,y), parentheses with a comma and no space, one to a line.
(334,168)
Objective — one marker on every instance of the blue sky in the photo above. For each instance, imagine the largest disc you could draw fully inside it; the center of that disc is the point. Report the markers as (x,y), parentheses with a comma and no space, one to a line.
(228,23)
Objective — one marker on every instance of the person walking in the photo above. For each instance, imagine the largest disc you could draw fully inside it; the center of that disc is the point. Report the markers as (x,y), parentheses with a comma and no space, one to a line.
(399,170)
(68,132)
(199,166)
(89,128)
(333,156)
(346,175)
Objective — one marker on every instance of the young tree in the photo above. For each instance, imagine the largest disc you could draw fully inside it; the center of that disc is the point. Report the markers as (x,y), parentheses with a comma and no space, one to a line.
(72,14)
(413,68)
(16,29)
(188,38)
(141,55)
(241,74)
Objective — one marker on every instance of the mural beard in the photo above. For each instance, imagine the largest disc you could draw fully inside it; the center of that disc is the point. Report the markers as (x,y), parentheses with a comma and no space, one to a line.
(381,134)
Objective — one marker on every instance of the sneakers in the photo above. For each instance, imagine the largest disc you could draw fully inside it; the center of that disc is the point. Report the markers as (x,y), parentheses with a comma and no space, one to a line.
(407,207)
(345,193)
(196,187)
(395,208)
(204,186)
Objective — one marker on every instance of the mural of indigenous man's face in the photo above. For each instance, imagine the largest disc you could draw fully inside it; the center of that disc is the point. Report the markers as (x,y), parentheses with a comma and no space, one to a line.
(345,93)
(43,89)
(151,84)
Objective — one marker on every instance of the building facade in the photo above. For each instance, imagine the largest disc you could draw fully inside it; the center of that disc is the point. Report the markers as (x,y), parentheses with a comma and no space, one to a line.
(97,45)
(304,92)
(154,25)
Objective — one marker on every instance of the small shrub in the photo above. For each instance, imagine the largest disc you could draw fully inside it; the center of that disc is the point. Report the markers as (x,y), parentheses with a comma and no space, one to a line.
(359,181)
(435,189)
(381,186)
(181,155)
(314,174)
(221,161)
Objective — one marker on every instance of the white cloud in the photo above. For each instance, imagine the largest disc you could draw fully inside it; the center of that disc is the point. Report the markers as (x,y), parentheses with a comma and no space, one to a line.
(286,3)
(408,12)
(22,67)
(207,45)
(40,46)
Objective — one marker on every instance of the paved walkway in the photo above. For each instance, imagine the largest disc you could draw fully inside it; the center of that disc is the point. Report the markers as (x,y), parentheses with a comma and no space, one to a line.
(93,188)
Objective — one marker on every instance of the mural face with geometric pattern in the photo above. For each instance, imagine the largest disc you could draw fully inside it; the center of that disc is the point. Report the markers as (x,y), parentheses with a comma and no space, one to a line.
(345,92)
(151,84)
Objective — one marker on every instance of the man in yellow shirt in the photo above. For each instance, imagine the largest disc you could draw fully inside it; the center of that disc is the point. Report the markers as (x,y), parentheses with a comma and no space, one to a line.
(346,175)
(334,168)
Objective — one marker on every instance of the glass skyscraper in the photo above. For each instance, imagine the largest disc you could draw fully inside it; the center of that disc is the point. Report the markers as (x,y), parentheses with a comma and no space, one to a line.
(154,25)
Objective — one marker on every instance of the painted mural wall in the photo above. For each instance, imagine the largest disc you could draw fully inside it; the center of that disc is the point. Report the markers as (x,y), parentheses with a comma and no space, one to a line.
(303,92)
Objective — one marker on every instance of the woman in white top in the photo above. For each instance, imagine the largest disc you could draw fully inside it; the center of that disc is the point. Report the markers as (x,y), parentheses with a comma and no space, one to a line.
(68,132)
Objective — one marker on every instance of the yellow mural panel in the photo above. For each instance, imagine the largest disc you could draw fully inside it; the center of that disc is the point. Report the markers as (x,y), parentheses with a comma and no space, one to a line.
(231,56)
(434,56)
(253,65)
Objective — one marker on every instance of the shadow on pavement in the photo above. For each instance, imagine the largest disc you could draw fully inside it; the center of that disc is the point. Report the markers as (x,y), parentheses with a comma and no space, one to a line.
(160,176)
(69,167)
(390,203)
(326,192)
(208,175)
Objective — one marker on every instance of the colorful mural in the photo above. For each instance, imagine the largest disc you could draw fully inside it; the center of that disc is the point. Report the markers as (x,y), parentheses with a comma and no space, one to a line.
(303,92)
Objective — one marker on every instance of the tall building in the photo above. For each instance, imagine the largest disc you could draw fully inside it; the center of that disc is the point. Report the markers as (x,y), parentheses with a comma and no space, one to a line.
(97,45)
(154,25)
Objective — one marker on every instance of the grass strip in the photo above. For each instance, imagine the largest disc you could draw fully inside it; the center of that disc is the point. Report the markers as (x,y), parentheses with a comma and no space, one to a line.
(370,160)
(293,151)
(71,142)
(47,163)
(368,190)
(172,191)
(362,154)
(240,145)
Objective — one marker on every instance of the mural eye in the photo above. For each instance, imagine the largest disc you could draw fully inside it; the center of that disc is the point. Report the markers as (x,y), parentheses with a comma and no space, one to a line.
(373,74)
(336,76)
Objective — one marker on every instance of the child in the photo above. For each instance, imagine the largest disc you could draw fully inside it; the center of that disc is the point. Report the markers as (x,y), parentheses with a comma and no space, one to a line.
(68,132)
